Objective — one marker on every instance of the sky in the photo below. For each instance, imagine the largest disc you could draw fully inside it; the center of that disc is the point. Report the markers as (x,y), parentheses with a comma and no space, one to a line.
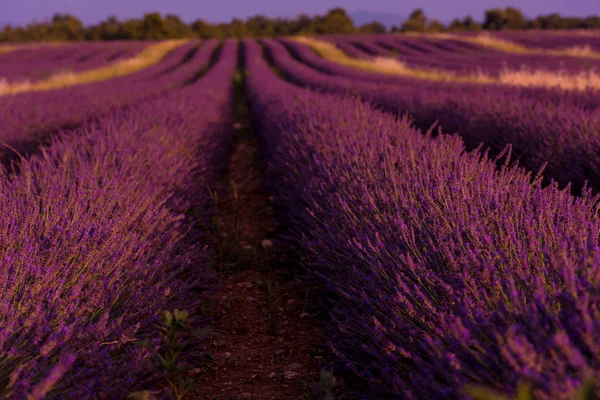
(92,11)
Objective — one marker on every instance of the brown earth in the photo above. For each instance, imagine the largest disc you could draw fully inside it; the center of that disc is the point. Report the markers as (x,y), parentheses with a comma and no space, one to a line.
(265,344)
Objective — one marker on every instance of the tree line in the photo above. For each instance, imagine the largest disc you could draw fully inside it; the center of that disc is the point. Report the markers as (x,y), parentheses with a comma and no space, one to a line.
(336,21)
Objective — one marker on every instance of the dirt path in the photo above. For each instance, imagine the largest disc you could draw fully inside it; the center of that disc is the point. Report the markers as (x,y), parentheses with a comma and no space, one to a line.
(264,343)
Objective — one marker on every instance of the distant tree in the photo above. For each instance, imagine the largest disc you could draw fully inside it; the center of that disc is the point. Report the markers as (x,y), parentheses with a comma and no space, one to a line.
(550,21)
(373,27)
(470,25)
(66,27)
(592,22)
(514,19)
(132,29)
(335,21)
(259,25)
(153,26)
(509,18)
(303,24)
(9,34)
(435,26)
(456,26)
(494,19)
(418,15)
(110,29)
(574,23)
(205,30)
(176,28)
(235,29)
(416,22)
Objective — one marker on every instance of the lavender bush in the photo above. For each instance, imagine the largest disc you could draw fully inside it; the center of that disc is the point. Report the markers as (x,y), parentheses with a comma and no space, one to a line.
(445,270)
(586,100)
(93,240)
(30,118)
(422,52)
(541,130)
(39,63)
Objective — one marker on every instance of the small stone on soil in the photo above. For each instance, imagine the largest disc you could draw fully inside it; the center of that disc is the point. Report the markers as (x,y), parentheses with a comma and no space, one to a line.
(290,374)
(293,367)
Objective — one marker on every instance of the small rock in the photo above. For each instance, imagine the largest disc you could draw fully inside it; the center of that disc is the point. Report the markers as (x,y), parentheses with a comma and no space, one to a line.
(227,354)
(291,301)
(266,244)
(272,375)
(253,376)
(248,247)
(228,383)
(305,315)
(291,374)
(293,367)
(245,284)
(250,299)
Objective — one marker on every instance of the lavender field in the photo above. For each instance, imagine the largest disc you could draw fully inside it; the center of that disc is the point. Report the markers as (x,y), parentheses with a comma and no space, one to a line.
(346,216)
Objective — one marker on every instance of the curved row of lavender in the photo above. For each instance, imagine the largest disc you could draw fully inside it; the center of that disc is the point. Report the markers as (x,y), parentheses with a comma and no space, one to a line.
(445,270)
(438,54)
(581,99)
(94,231)
(542,128)
(38,52)
(30,118)
(72,58)
(552,40)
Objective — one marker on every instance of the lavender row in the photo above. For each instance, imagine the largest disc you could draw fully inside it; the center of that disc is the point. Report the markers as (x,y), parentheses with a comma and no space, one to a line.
(95,232)
(40,52)
(29,118)
(445,270)
(545,127)
(587,100)
(71,59)
(552,40)
(434,54)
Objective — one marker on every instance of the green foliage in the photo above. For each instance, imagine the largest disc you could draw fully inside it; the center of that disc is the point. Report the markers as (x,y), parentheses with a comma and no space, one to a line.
(435,26)
(466,24)
(509,18)
(165,362)
(587,391)
(335,21)
(417,22)
(204,30)
(66,27)
(324,389)
(373,27)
